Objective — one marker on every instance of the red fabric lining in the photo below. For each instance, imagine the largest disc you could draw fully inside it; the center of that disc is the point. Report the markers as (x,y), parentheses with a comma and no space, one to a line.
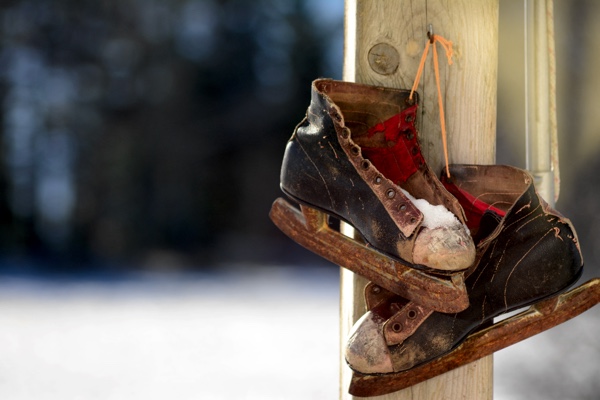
(404,158)
(474,208)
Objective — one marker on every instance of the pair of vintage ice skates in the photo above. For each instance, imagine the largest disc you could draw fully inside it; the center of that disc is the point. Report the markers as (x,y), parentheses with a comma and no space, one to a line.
(444,256)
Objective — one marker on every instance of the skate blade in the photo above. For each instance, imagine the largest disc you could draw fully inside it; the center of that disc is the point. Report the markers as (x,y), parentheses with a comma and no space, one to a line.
(309,228)
(538,318)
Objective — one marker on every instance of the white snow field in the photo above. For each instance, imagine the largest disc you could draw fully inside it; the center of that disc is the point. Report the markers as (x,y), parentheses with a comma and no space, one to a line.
(249,333)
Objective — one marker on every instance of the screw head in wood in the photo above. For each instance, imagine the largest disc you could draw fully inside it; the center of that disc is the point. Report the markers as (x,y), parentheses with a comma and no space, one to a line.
(384,59)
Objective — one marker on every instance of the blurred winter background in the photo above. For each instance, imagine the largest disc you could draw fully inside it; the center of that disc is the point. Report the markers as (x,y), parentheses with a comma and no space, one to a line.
(140,149)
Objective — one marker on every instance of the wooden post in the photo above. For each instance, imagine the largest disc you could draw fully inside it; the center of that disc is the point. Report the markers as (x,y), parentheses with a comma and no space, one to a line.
(384,41)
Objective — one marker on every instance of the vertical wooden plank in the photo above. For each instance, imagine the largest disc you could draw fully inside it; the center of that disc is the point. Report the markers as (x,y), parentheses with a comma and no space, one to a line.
(540,96)
(399,27)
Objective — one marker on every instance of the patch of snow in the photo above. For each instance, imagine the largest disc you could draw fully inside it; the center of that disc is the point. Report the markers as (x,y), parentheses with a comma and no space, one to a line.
(433,216)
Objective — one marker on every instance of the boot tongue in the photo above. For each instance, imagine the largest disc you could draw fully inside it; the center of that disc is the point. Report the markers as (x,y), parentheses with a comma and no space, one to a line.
(475,209)
(401,156)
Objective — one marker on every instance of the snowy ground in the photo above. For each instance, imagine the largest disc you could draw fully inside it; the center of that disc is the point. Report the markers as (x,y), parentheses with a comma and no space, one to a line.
(245,334)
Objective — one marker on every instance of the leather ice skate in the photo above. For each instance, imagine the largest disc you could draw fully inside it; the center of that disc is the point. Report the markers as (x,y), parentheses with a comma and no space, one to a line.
(356,157)
(527,255)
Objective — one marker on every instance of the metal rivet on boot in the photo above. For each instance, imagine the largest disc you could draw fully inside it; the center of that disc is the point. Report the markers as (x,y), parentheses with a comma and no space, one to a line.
(397,327)
(378,180)
(402,207)
(376,289)
(390,193)
(345,133)
(355,150)
(411,314)
(365,164)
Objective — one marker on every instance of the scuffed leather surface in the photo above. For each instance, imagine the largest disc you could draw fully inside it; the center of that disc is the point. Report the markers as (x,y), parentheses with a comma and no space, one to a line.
(533,253)
(319,168)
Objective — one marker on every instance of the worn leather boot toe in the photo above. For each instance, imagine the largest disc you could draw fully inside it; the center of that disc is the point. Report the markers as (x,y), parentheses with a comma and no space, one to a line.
(366,349)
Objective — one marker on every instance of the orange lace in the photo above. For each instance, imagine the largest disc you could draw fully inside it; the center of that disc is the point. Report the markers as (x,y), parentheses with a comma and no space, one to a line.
(447,45)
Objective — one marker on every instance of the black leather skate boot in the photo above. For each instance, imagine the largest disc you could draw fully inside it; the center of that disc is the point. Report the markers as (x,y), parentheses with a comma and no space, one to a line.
(526,252)
(356,157)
